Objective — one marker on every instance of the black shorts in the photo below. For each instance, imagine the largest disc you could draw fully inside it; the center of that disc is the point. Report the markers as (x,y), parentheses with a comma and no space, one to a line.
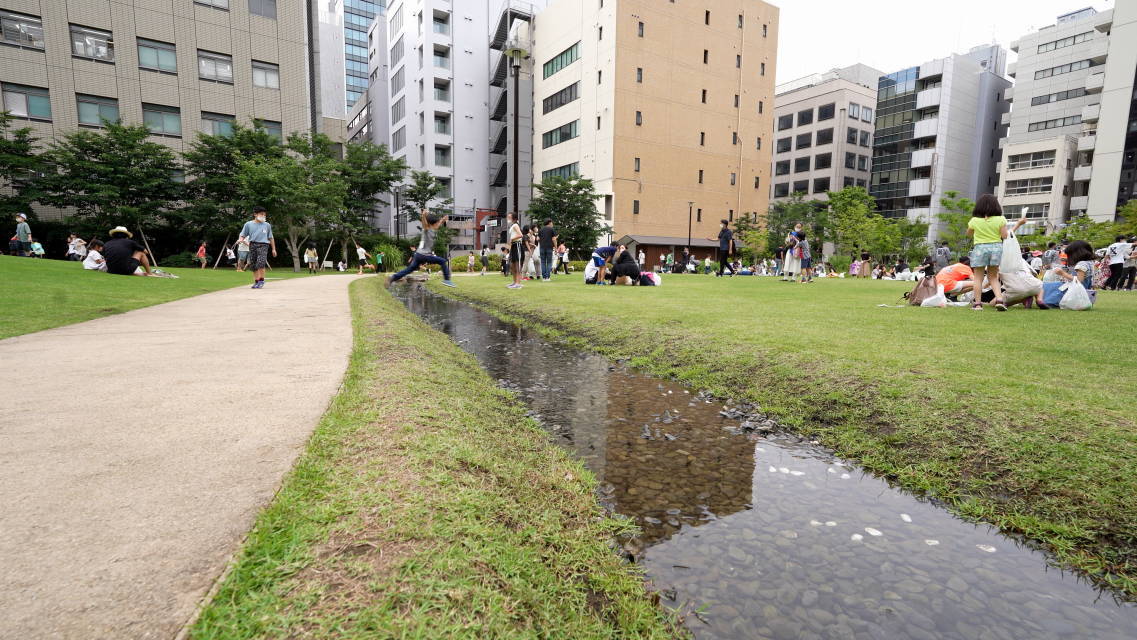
(126,268)
(258,255)
(515,252)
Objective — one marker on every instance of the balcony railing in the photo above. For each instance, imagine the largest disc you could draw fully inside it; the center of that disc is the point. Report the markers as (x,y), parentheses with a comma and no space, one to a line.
(442,95)
(442,28)
(442,62)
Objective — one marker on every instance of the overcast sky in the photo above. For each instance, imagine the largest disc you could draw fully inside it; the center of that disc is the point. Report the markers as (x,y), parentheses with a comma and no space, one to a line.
(818,35)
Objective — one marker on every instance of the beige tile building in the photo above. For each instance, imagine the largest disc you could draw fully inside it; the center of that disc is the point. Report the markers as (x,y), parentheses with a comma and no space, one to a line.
(667,106)
(823,131)
(179,66)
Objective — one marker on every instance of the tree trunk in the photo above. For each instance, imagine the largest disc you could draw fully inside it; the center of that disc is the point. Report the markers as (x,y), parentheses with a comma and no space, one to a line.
(294,242)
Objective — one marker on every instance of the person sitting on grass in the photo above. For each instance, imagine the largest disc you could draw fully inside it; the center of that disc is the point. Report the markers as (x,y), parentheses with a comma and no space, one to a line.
(626,267)
(956,279)
(94,261)
(601,258)
(36,250)
(124,256)
(424,254)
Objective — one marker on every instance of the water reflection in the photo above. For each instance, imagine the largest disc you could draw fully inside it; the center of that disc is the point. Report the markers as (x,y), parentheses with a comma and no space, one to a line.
(773,536)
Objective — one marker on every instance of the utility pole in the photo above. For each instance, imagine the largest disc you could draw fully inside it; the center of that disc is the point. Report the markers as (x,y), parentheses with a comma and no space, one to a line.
(690,208)
(516,134)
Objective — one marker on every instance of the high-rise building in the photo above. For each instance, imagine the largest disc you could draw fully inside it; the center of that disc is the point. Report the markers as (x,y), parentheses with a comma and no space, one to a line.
(666,106)
(357,18)
(1048,150)
(823,131)
(180,68)
(370,118)
(1114,164)
(938,127)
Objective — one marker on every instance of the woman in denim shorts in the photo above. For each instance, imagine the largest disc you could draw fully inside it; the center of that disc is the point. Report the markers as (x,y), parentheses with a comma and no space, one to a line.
(987,229)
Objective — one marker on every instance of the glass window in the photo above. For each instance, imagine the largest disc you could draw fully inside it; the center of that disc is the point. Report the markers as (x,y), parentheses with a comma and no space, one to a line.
(215,124)
(561,98)
(266,8)
(567,171)
(398,110)
(273,128)
(21,30)
(1058,97)
(397,52)
(640,30)
(866,114)
(93,110)
(801,165)
(639,74)
(1054,124)
(823,161)
(782,190)
(636,205)
(442,156)
(560,134)
(826,111)
(782,168)
(92,43)
(820,185)
(1065,42)
(217,67)
(27,102)
(866,139)
(1033,185)
(1063,69)
(854,110)
(266,75)
(785,122)
(805,117)
(801,186)
(564,59)
(399,139)
(216,4)
(850,161)
(804,141)
(398,81)
(784,145)
(158,56)
(759,143)
(639,118)
(161,120)
(848,182)
(851,136)
(825,136)
(862,183)
(733,179)
(862,163)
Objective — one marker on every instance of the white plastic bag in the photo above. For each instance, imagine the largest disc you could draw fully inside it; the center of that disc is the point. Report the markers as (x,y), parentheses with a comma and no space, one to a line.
(590,272)
(938,300)
(1076,297)
(1012,255)
(1019,285)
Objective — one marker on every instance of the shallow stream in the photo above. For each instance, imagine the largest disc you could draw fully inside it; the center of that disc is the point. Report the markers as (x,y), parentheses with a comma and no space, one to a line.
(759,534)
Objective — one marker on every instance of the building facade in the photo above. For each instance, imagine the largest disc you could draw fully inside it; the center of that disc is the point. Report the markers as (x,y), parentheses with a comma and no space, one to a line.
(1045,170)
(938,128)
(823,131)
(179,67)
(1114,164)
(369,119)
(358,16)
(667,107)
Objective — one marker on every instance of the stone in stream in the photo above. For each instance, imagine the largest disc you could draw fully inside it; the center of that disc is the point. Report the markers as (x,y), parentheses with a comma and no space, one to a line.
(931,543)
(873,532)
(985,547)
(905,517)
(856,537)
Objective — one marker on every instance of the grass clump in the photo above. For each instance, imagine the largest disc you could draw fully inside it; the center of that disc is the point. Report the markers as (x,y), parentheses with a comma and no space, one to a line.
(429,509)
(1023,419)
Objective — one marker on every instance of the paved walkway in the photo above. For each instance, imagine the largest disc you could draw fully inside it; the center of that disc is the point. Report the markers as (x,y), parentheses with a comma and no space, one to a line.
(142,446)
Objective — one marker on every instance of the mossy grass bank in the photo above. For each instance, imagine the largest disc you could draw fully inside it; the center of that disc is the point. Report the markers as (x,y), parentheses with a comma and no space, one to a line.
(427,505)
(1024,419)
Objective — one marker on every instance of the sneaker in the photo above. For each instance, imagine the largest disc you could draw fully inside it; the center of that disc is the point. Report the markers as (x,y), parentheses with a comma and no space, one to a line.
(512,285)
(256,285)
(449,283)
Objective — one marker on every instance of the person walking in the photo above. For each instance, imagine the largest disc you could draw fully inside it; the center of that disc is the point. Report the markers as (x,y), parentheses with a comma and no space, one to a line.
(987,229)
(200,255)
(505,261)
(258,234)
(311,258)
(362,254)
(470,263)
(424,254)
(726,247)
(1130,273)
(23,235)
(242,253)
(485,260)
(942,256)
(563,254)
(516,250)
(806,257)
(1117,253)
(546,241)
(641,258)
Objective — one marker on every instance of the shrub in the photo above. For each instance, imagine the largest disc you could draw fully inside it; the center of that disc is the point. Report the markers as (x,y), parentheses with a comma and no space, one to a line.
(183,259)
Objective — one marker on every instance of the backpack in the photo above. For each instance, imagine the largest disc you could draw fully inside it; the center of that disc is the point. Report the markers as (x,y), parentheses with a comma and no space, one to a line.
(925,288)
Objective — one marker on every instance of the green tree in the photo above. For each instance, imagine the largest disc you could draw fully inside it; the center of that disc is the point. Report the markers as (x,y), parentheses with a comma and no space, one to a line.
(368,170)
(20,164)
(423,189)
(214,197)
(782,216)
(1098,234)
(750,231)
(912,240)
(954,219)
(855,221)
(571,204)
(113,176)
(303,189)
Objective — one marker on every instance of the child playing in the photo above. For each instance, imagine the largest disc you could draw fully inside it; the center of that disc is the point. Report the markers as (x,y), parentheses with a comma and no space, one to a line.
(424,254)
(806,257)
(94,260)
(311,258)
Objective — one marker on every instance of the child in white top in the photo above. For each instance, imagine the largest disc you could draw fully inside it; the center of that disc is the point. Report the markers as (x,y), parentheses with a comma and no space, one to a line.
(94,260)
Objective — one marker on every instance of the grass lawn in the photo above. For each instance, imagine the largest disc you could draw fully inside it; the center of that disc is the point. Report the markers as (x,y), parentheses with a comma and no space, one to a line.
(1025,419)
(41,294)
(428,506)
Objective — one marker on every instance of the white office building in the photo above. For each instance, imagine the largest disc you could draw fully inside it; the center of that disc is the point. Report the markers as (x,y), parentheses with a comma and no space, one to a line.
(1114,164)
(823,131)
(938,127)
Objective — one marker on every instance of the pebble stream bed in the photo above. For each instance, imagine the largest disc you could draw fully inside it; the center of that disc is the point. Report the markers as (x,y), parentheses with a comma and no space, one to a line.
(753,532)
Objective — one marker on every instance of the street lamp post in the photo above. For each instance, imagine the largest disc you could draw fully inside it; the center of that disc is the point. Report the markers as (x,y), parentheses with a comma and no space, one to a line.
(690,208)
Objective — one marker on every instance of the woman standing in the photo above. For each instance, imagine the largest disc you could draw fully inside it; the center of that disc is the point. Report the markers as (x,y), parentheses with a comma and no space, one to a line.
(516,250)
(987,230)
(864,269)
